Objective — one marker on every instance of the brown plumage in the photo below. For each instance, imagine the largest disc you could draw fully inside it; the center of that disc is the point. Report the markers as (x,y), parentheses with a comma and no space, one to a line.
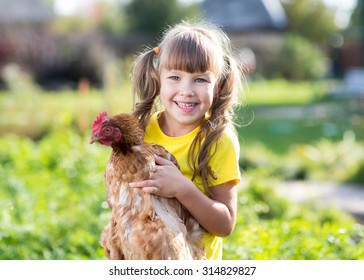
(142,225)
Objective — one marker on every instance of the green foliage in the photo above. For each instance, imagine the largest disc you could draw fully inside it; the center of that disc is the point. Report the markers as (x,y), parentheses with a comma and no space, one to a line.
(114,21)
(17,80)
(52,194)
(297,59)
(152,17)
(357,17)
(311,19)
(271,228)
(71,25)
(324,160)
(341,161)
(283,92)
(279,114)
(34,113)
(310,27)
(52,198)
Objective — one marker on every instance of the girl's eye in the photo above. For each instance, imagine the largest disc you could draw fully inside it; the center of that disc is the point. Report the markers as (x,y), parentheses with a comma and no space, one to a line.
(174,78)
(200,80)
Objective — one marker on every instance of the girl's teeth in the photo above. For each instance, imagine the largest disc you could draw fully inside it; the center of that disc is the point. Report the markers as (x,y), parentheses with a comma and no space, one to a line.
(185,105)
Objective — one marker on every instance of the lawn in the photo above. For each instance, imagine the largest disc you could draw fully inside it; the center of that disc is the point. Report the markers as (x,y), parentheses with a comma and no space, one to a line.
(53,205)
(35,113)
(279,114)
(279,127)
(283,92)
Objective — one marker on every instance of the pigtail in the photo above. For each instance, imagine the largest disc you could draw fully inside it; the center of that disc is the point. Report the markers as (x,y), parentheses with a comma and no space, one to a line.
(213,128)
(146,86)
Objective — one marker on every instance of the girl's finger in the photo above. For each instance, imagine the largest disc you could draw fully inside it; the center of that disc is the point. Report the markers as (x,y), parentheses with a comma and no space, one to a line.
(161,161)
(152,190)
(141,184)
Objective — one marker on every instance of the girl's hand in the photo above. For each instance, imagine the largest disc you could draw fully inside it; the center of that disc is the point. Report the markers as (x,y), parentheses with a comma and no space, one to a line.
(216,215)
(166,180)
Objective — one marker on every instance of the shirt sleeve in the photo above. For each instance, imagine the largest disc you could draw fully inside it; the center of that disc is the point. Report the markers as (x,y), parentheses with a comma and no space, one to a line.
(225,162)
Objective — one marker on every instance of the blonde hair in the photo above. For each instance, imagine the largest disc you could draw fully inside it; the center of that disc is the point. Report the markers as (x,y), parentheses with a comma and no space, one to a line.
(194,48)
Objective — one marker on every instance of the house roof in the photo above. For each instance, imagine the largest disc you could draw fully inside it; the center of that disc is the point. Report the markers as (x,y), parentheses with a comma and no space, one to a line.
(24,11)
(245,15)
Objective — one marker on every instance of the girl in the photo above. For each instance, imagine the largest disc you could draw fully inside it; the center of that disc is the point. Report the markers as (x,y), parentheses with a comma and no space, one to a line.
(196,79)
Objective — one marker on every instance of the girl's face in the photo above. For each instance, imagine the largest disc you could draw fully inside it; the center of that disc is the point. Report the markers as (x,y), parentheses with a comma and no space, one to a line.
(186,98)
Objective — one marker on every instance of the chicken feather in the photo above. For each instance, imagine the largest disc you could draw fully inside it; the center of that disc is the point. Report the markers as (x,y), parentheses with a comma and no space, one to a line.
(142,226)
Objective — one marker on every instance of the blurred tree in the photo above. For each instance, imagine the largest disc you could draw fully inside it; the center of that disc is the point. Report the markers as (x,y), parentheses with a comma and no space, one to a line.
(72,24)
(356,15)
(298,59)
(49,3)
(114,19)
(145,16)
(311,19)
(355,29)
(361,24)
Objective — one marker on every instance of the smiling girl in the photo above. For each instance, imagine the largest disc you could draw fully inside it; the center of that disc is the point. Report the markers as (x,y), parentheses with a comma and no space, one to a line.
(196,80)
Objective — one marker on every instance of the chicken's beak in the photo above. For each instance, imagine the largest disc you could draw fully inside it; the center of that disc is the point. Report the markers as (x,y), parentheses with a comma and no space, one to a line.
(94,138)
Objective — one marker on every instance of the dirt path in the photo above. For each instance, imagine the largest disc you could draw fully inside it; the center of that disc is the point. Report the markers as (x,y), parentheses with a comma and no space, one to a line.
(348,197)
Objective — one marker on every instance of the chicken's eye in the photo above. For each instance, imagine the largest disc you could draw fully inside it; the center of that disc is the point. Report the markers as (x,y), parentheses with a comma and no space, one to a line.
(108,130)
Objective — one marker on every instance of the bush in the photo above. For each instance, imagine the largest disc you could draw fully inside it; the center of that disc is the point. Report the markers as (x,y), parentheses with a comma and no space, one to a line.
(53,204)
(51,197)
(27,112)
(271,228)
(341,161)
(297,59)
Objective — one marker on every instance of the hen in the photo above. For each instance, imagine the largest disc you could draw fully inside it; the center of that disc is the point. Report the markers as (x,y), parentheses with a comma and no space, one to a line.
(142,225)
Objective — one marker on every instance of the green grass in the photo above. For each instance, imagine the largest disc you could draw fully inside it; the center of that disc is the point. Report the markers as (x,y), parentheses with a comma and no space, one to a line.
(278,135)
(275,92)
(278,130)
(53,205)
(272,228)
(51,197)
(259,121)
(32,113)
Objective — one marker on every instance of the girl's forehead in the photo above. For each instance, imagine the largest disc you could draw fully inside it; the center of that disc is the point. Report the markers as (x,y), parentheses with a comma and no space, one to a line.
(165,70)
(191,52)
(190,62)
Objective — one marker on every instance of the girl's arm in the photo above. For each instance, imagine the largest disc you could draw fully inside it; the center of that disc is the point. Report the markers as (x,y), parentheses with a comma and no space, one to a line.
(216,213)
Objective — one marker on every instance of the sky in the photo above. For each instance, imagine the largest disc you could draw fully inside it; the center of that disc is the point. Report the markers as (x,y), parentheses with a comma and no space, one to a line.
(67,7)
(344,10)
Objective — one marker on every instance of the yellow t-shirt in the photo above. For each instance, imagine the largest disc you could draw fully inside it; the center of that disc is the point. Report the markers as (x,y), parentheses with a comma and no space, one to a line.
(225,164)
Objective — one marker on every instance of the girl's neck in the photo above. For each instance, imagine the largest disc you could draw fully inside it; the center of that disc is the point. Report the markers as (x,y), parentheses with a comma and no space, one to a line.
(172,129)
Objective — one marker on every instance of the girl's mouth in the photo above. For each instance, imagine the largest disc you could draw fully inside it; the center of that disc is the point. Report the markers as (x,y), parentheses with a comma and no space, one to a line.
(186,106)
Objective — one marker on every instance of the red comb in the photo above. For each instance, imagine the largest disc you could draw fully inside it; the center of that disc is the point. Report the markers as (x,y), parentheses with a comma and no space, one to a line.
(99,121)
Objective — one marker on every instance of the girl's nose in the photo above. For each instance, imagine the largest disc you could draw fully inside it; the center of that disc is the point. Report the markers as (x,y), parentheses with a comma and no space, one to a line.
(186,90)
(186,93)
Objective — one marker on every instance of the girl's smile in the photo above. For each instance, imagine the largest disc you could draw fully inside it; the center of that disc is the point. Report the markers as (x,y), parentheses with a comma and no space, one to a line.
(186,97)
(188,107)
